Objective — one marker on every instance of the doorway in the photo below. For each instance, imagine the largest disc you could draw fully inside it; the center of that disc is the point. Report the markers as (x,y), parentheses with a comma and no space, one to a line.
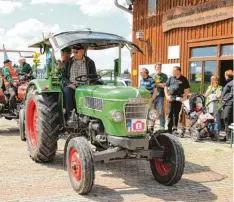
(224,66)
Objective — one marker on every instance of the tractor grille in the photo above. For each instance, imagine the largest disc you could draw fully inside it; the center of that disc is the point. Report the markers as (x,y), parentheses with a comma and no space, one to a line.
(94,103)
(136,111)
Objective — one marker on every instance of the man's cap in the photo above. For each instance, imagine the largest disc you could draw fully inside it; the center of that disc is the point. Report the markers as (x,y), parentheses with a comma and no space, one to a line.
(78,47)
(6,61)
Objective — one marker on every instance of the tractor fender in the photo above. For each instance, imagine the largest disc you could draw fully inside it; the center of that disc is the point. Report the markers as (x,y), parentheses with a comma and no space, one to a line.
(41,86)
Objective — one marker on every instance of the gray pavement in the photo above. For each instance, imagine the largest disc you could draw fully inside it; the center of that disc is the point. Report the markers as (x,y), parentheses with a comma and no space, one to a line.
(208,175)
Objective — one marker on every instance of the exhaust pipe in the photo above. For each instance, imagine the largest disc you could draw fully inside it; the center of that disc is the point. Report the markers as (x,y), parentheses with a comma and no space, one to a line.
(122,7)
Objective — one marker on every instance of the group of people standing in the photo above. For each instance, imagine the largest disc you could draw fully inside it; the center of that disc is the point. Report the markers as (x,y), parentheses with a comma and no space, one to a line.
(176,90)
(225,96)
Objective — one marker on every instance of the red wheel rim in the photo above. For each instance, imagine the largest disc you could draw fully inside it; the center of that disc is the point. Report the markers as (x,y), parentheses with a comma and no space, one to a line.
(32,117)
(75,164)
(162,167)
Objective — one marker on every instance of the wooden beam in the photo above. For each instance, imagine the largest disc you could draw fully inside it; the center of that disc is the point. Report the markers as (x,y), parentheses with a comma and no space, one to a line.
(211,38)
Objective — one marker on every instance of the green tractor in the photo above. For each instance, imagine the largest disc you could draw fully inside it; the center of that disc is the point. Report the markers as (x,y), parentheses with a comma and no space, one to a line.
(108,123)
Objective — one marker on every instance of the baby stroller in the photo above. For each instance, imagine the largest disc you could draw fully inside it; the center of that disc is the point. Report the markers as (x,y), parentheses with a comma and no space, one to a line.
(202,124)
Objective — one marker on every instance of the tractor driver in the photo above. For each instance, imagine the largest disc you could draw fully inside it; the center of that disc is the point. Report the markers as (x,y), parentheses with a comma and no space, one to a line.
(76,66)
(11,81)
(25,68)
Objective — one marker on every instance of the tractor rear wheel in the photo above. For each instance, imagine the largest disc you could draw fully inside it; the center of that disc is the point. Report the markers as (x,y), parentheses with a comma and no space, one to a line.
(42,125)
(22,124)
(169,169)
(80,165)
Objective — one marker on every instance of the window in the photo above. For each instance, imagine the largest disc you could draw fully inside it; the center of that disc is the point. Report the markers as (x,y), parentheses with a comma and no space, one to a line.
(209,71)
(227,50)
(210,51)
(206,61)
(195,76)
(152,7)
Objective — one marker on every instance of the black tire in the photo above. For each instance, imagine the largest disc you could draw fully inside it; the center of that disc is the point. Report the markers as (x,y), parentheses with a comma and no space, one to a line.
(81,174)
(214,136)
(169,169)
(22,124)
(42,125)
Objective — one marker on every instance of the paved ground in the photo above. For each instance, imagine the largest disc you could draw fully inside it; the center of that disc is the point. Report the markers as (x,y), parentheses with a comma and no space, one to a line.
(208,175)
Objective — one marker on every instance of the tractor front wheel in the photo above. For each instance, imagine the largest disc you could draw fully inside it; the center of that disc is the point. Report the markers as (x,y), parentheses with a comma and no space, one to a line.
(80,165)
(42,125)
(169,169)
(22,124)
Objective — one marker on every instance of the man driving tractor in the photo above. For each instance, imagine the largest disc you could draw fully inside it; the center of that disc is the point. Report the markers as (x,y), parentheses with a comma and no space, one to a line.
(11,81)
(77,65)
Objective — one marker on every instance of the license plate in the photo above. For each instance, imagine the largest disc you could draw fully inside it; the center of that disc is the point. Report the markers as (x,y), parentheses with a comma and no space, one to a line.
(136,125)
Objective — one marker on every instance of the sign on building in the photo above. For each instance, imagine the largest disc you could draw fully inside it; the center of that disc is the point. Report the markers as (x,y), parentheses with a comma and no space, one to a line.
(190,16)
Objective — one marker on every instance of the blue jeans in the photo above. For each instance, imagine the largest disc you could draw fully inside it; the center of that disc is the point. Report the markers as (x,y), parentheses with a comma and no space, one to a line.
(213,127)
(218,120)
(68,97)
(159,104)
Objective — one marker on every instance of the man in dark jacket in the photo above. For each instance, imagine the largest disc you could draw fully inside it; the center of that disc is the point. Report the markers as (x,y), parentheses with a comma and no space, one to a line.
(76,66)
(227,99)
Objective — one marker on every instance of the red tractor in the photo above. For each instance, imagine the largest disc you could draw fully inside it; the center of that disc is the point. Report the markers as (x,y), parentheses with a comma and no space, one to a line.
(20,95)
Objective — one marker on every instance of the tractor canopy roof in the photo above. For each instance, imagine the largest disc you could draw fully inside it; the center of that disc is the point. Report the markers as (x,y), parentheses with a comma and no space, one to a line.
(92,40)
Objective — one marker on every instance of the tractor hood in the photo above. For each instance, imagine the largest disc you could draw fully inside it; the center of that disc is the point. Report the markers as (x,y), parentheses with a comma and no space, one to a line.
(113,93)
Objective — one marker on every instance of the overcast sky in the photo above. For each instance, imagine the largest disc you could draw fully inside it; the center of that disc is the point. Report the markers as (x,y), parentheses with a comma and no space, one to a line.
(21,21)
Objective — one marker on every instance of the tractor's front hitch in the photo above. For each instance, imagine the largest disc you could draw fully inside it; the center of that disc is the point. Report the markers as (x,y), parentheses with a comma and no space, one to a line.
(154,141)
(117,153)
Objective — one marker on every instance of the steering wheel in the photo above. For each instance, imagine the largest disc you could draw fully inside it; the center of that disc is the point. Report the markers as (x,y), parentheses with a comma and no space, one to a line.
(86,80)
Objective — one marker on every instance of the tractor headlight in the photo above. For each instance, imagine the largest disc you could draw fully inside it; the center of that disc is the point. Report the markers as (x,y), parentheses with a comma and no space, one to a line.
(117,116)
(152,114)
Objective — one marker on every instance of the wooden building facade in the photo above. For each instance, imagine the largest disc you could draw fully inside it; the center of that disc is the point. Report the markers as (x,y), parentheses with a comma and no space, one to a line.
(197,34)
